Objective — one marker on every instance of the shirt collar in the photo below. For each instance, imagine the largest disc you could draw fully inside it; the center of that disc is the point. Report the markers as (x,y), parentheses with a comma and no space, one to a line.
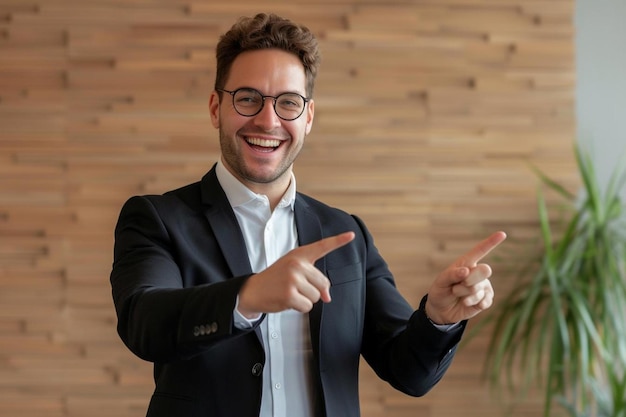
(239,195)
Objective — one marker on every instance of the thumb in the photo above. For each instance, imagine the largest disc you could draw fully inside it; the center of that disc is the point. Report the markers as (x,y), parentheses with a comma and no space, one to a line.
(453,276)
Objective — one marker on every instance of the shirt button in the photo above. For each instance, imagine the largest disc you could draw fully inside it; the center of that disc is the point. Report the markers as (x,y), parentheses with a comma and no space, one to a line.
(274,335)
(277,385)
(257,369)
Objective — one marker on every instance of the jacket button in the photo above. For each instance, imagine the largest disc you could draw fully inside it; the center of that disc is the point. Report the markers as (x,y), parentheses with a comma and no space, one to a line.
(257,369)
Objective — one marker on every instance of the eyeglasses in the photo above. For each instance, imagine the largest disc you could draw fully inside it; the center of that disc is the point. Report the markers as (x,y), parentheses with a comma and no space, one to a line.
(249,102)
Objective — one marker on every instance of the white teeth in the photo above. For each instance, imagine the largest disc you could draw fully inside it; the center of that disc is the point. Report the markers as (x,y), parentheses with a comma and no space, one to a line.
(266,143)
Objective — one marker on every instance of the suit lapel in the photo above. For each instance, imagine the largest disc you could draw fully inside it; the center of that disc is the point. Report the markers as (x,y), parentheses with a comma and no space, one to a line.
(308,225)
(228,234)
(309,231)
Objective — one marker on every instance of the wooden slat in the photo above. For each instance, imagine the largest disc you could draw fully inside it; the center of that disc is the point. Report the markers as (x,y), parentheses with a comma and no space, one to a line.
(428,115)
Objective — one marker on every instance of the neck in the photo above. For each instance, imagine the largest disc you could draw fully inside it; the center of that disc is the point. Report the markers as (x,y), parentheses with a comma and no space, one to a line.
(274,190)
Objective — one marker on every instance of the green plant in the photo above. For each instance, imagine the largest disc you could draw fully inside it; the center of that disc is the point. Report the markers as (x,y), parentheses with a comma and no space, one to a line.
(609,397)
(562,327)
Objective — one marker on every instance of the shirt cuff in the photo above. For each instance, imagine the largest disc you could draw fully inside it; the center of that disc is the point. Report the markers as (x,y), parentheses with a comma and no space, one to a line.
(445,327)
(241,322)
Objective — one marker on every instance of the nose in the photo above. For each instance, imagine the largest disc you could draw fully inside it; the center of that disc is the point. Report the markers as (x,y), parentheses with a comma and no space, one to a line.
(267,117)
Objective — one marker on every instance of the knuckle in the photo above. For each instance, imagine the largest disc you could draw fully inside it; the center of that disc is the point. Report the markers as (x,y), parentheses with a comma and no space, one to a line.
(295,263)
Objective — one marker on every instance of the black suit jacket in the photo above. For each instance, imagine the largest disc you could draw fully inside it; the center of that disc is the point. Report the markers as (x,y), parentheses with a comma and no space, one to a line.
(179,262)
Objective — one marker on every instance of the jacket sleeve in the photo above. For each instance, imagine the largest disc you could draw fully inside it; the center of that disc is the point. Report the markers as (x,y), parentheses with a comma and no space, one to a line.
(161,318)
(402,346)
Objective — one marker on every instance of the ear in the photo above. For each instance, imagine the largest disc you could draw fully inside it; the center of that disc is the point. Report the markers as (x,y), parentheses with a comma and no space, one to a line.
(214,109)
(310,113)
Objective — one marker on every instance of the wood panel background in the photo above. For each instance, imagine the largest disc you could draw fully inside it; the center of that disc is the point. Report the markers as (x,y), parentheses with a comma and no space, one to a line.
(428,113)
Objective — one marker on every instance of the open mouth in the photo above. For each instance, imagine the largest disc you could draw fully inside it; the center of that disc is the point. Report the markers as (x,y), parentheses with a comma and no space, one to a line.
(263,145)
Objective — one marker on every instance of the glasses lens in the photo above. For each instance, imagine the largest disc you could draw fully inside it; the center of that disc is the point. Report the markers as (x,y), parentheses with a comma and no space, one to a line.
(248,102)
(289,106)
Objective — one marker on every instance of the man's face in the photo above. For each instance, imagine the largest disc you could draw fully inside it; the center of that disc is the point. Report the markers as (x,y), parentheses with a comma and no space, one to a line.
(261,149)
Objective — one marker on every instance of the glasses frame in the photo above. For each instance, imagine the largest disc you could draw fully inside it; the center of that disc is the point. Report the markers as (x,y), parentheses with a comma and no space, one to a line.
(263,97)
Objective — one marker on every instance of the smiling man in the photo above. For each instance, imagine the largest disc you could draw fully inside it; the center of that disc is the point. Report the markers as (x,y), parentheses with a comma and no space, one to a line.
(252,299)
(262,129)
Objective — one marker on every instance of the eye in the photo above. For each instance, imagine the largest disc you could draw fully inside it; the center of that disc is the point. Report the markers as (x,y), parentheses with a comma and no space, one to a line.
(248,98)
(290,101)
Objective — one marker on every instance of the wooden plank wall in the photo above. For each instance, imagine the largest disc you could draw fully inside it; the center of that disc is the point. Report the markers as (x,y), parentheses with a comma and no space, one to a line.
(427,115)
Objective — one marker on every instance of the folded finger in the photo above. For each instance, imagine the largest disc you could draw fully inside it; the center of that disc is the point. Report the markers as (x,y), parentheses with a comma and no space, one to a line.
(477,274)
(317,286)
(301,303)
(480,294)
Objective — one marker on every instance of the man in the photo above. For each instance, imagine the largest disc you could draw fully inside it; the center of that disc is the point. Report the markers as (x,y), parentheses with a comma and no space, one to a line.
(252,299)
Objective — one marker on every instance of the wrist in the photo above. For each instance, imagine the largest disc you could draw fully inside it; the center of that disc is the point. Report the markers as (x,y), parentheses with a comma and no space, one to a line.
(247,314)
(242,304)
(433,317)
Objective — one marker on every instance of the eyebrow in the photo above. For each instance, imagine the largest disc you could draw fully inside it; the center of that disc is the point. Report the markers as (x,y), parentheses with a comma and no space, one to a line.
(269,95)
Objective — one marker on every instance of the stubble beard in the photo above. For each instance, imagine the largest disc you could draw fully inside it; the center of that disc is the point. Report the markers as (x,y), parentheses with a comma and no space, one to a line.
(240,169)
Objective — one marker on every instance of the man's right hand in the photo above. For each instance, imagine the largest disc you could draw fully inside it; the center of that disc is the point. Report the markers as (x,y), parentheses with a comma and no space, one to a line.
(292,282)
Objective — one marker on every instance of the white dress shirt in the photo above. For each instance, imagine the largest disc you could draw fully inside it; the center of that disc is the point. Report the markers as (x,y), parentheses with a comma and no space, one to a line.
(287,383)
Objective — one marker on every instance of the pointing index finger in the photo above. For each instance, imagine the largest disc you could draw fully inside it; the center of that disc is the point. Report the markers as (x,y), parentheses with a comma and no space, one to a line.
(482,249)
(322,247)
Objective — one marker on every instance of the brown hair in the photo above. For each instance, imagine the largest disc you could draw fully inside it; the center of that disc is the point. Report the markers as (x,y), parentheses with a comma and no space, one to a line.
(265,31)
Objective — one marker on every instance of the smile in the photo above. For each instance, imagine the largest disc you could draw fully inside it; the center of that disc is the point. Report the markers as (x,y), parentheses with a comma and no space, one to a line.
(264,143)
